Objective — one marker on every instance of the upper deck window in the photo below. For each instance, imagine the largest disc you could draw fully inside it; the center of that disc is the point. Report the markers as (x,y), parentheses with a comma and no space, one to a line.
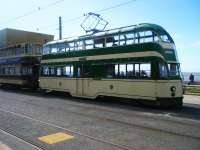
(61,47)
(46,49)
(165,38)
(54,48)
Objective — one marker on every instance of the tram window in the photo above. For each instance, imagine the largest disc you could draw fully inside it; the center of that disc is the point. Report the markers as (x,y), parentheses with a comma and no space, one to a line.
(45,70)
(75,45)
(99,42)
(141,34)
(122,40)
(37,49)
(85,71)
(99,45)
(79,45)
(116,70)
(3,71)
(156,39)
(165,38)
(110,44)
(11,70)
(71,46)
(68,71)
(122,70)
(72,71)
(17,71)
(26,70)
(54,48)
(149,39)
(18,51)
(148,33)
(26,48)
(89,44)
(52,71)
(79,72)
(163,70)
(129,38)
(136,38)
(110,71)
(61,47)
(137,70)
(116,40)
(110,41)
(59,71)
(141,37)
(29,71)
(67,48)
(145,70)
(173,69)
(130,70)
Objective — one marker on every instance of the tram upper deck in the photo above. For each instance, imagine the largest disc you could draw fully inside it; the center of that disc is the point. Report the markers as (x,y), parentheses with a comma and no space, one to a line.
(136,38)
(20,50)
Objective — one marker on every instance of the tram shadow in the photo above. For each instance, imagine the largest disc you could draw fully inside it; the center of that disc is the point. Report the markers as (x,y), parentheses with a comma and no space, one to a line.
(189,111)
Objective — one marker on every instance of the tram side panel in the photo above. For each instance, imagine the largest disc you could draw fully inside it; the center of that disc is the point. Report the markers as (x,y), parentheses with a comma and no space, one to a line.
(90,88)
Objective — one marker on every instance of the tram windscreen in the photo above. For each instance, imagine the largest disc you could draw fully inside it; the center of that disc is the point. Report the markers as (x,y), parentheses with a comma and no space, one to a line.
(165,38)
(174,69)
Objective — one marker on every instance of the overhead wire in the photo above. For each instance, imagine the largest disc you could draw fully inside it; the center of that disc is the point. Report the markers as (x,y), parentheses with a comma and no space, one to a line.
(65,21)
(32,12)
(115,6)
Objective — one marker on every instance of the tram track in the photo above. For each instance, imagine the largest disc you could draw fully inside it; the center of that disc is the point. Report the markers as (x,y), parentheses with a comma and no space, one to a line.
(11,133)
(107,109)
(122,147)
(110,120)
(132,125)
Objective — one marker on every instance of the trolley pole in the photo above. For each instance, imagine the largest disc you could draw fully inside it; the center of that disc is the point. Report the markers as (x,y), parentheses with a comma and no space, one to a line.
(60,27)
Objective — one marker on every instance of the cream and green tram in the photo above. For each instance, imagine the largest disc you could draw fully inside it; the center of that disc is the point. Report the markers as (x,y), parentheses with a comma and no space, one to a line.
(135,62)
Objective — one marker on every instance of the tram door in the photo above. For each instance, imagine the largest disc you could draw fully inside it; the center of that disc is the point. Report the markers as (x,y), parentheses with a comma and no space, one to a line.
(82,81)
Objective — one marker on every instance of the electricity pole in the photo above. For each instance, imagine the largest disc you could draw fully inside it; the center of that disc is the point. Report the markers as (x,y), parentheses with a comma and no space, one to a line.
(60,28)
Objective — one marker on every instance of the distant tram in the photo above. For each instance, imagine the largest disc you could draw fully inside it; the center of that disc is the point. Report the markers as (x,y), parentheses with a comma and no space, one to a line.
(135,62)
(19,65)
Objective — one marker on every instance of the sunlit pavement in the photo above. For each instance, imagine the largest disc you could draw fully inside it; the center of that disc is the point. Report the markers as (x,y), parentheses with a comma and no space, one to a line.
(192,99)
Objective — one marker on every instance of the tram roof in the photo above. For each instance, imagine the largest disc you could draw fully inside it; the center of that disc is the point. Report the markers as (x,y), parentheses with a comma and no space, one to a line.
(132,28)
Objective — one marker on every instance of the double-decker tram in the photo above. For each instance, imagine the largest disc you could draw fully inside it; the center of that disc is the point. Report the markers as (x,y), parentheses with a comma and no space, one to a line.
(135,62)
(19,65)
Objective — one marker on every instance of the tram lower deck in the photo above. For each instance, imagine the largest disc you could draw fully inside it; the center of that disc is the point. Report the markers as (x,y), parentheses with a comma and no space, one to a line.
(158,92)
(23,72)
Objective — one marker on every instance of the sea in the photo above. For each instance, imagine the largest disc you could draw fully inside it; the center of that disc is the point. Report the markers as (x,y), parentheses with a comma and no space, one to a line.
(187,74)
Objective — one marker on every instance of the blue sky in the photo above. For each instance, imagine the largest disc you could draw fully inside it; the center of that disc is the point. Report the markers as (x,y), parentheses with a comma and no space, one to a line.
(181,18)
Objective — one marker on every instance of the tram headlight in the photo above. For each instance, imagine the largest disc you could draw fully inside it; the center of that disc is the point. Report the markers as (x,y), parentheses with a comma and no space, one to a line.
(173,89)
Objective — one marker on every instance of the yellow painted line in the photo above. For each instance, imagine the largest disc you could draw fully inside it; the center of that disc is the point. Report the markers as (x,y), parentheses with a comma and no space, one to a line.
(4,146)
(55,138)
